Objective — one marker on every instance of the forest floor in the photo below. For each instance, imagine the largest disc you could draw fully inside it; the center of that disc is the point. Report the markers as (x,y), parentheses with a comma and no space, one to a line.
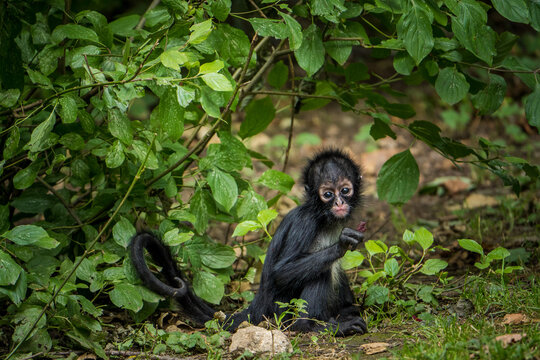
(477,314)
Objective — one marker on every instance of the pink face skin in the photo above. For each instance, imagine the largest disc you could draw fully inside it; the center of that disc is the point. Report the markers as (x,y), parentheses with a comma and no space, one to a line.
(338,193)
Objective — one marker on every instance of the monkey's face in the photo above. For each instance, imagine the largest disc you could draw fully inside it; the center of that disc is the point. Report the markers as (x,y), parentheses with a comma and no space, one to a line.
(336,196)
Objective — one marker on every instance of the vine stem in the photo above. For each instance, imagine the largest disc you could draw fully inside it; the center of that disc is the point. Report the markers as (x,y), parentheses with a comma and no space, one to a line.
(86,252)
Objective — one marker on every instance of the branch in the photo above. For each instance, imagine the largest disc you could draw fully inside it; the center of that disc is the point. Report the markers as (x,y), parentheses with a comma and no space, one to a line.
(66,205)
(294,94)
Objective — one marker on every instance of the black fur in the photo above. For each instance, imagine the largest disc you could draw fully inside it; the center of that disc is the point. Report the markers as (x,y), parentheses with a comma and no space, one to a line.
(301,261)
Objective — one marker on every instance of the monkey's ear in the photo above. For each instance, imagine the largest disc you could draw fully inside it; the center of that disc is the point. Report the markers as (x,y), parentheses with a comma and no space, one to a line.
(306,188)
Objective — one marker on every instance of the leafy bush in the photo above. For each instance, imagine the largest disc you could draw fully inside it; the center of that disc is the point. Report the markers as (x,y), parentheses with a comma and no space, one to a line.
(105,124)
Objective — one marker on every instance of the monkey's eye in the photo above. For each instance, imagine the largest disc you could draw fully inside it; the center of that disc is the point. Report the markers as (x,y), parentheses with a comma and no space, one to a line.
(345,191)
(328,195)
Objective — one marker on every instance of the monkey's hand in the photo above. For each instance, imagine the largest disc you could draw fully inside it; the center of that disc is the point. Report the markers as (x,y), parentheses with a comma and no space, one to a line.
(349,240)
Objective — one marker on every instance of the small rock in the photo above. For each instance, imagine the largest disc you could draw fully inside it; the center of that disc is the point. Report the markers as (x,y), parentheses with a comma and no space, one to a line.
(260,341)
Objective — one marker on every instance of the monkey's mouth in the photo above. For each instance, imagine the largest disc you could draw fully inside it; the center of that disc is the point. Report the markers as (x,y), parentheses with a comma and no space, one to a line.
(340,212)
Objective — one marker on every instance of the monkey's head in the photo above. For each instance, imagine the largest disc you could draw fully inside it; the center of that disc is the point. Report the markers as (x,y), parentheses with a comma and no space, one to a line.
(333,184)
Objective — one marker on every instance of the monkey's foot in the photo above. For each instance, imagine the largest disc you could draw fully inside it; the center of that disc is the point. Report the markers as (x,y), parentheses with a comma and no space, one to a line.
(353,326)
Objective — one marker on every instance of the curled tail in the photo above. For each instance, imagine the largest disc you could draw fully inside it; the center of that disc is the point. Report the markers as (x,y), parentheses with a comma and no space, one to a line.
(178,288)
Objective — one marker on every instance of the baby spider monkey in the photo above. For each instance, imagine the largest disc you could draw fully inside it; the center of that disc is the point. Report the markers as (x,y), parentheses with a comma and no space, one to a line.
(302,261)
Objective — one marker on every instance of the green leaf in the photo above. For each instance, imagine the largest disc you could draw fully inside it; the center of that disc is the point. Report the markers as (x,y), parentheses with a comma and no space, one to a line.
(404,111)
(173,59)
(30,235)
(339,50)
(72,141)
(376,295)
(40,135)
(208,287)
(270,27)
(433,266)
(532,107)
(250,204)
(295,31)
(246,226)
(115,156)
(391,267)
(211,102)
(278,75)
(199,32)
(451,85)
(276,180)
(200,206)
(16,292)
(124,26)
(380,129)
(69,110)
(491,96)
(120,126)
(499,253)
(169,116)
(211,67)
(414,28)
(231,43)
(469,27)
(534,10)
(310,55)
(126,296)
(26,177)
(24,319)
(73,31)
(513,10)
(9,97)
(185,95)
(218,256)
(174,237)
(140,150)
(403,63)
(471,245)
(11,145)
(123,231)
(4,218)
(374,248)
(217,82)
(9,270)
(259,114)
(424,238)
(329,9)
(408,237)
(224,188)
(352,259)
(398,178)
(266,215)
(46,243)
(221,9)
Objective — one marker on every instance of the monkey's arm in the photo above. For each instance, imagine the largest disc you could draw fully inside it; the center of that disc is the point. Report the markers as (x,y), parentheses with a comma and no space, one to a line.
(300,266)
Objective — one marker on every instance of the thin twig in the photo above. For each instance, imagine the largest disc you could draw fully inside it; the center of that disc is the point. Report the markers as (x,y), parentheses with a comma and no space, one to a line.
(294,94)
(293,113)
(66,205)
(143,18)
(89,70)
(258,9)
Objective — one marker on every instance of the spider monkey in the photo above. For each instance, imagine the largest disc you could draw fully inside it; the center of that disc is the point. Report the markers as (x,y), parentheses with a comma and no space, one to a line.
(302,261)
